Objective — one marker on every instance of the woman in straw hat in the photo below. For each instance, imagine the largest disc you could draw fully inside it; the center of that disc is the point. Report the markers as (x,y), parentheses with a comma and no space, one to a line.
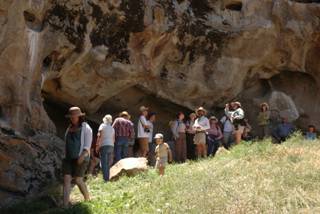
(201,125)
(78,140)
(143,132)
(236,115)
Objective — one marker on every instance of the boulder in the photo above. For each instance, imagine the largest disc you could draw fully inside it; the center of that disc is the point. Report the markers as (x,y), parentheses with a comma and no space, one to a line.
(28,166)
(128,167)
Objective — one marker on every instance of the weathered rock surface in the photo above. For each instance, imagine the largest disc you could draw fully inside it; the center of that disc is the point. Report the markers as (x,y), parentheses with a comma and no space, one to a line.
(128,167)
(108,56)
(28,166)
(187,52)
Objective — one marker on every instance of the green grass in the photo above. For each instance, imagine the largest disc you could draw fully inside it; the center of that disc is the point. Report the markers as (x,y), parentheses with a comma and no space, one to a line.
(252,178)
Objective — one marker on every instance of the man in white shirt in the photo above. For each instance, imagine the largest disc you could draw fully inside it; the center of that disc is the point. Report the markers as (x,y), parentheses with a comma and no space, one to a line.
(201,125)
(143,132)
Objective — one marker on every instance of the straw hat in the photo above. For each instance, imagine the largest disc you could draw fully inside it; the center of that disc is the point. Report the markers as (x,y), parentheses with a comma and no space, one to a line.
(124,114)
(75,112)
(201,109)
(143,108)
(158,136)
(238,104)
(213,118)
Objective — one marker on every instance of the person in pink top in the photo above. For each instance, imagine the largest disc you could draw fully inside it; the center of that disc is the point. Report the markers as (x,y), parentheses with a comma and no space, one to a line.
(214,136)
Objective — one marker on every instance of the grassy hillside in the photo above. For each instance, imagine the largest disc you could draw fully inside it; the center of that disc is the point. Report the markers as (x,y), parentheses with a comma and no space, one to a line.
(251,178)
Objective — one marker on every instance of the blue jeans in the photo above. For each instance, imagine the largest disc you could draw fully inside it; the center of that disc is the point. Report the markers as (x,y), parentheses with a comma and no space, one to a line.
(122,144)
(213,145)
(105,157)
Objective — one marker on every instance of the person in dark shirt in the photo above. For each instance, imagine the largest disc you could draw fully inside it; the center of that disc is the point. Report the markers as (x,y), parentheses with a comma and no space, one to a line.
(283,130)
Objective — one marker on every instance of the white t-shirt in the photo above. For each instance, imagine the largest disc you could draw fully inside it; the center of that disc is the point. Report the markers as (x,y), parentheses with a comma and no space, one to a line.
(141,132)
(107,134)
(227,125)
(151,131)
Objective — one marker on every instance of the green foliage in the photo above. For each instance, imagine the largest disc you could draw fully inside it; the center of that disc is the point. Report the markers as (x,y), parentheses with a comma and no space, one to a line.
(256,177)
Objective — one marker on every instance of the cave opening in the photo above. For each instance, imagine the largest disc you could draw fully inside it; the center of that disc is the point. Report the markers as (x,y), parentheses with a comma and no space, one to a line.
(57,111)
(235,6)
(132,98)
(127,100)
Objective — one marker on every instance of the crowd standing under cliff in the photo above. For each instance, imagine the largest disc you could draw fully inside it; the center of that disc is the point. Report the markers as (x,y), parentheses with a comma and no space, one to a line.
(195,137)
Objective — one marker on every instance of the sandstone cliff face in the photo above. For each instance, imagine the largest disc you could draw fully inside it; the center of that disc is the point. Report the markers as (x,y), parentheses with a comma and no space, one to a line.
(189,53)
(107,56)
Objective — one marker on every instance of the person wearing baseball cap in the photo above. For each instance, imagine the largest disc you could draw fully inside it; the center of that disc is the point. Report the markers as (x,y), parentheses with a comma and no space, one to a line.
(163,154)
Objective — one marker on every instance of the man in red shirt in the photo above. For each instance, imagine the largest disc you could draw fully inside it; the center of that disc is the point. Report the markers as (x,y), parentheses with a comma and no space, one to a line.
(124,132)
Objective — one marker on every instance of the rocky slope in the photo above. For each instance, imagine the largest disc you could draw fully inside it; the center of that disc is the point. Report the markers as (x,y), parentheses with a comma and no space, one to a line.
(111,55)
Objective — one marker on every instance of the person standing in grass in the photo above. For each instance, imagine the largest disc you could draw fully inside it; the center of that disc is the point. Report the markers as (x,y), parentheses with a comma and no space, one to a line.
(264,120)
(78,140)
(236,115)
(163,154)
(106,139)
(124,132)
(94,158)
(178,129)
(311,133)
(190,132)
(131,140)
(143,132)
(151,119)
(201,125)
(283,130)
(228,130)
(214,136)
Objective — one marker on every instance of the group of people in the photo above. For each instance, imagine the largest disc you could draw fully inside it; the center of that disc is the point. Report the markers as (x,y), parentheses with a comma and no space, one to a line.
(192,138)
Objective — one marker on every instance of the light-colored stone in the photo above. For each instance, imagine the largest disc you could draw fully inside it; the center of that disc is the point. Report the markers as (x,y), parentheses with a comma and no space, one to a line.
(128,167)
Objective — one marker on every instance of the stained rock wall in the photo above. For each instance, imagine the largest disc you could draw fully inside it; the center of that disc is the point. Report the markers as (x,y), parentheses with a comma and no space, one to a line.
(188,52)
(179,53)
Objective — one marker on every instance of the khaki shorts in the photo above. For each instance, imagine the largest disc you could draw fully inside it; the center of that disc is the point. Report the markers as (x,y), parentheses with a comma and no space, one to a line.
(200,138)
(161,162)
(144,144)
(240,130)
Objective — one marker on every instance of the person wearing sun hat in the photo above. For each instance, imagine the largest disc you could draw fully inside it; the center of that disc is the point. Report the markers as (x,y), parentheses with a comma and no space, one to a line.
(124,132)
(236,115)
(143,132)
(201,125)
(163,153)
(78,140)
